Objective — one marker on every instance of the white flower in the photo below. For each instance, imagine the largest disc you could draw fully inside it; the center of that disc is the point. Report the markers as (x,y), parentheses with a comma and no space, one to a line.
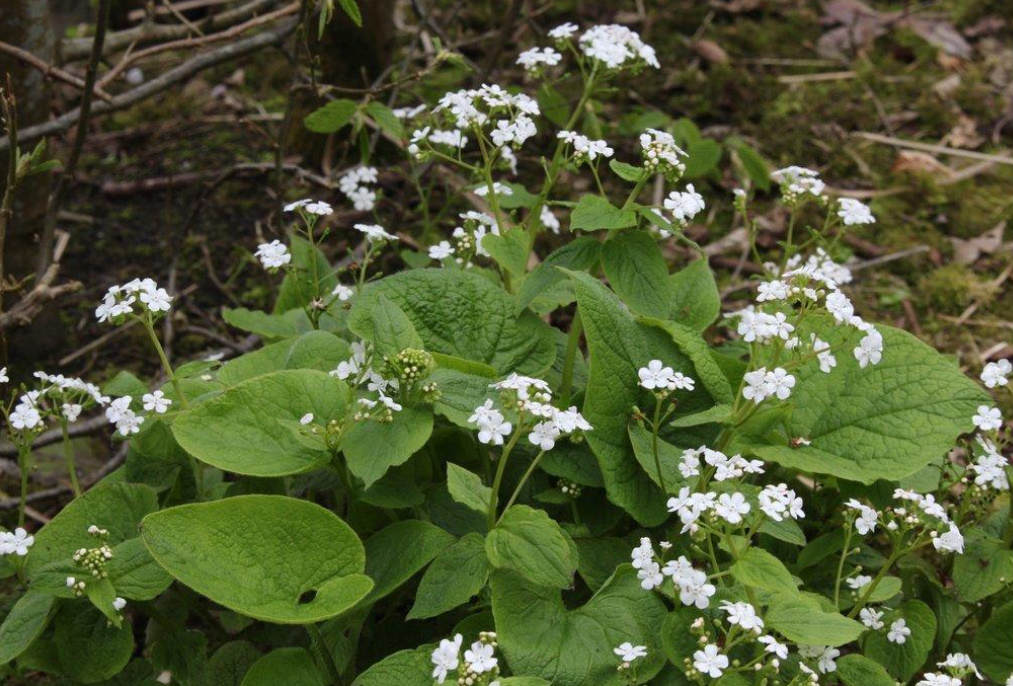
(445,657)
(563,31)
(342,292)
(731,507)
(71,411)
(317,207)
(772,290)
(826,662)
(544,435)
(480,657)
(3,375)
(771,646)
(898,632)
(987,418)
(795,181)
(549,220)
(363,199)
(779,501)
(684,206)
(16,542)
(25,418)
(867,517)
(870,349)
(570,420)
(852,212)
(156,402)
(859,582)
(157,300)
(616,46)
(441,250)
(952,541)
(960,661)
(497,188)
(375,233)
(742,614)
(535,57)
(780,382)
(642,554)
(629,652)
(710,661)
(694,589)
(931,679)
(306,419)
(996,373)
(71,581)
(119,604)
(839,305)
(655,375)
(871,618)
(650,575)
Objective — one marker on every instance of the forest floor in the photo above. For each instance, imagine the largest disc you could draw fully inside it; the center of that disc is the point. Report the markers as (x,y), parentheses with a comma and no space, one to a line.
(806,83)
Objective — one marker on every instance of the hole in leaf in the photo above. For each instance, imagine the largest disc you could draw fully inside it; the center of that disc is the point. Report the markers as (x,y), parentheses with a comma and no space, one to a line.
(307,597)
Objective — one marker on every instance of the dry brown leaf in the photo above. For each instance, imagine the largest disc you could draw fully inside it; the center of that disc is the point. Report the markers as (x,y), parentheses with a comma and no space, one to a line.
(964,134)
(710,51)
(915,162)
(968,251)
(947,87)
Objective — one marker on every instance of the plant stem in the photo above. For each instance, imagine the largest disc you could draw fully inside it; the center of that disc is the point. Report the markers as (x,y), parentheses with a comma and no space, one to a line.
(527,475)
(68,454)
(500,469)
(654,443)
(320,648)
(23,454)
(166,366)
(840,565)
(572,346)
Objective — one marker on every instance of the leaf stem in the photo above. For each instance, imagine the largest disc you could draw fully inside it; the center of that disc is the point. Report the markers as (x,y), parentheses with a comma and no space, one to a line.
(68,455)
(323,654)
(840,564)
(520,485)
(500,469)
(654,443)
(572,346)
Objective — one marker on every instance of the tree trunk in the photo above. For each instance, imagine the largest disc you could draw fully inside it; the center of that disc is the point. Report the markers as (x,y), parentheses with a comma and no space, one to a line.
(27,24)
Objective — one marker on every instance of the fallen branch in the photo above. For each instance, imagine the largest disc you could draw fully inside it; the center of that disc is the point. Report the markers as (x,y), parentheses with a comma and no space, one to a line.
(49,70)
(931,147)
(193,66)
(25,310)
(74,49)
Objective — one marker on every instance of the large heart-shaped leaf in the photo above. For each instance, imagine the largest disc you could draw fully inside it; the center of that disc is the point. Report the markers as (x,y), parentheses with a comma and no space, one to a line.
(542,638)
(882,422)
(246,429)
(270,557)
(463,314)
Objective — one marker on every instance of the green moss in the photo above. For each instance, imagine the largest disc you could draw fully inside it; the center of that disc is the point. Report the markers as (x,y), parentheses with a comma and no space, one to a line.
(951,288)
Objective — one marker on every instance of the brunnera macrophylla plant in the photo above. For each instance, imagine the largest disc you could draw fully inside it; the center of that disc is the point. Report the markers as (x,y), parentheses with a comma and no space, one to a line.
(518,466)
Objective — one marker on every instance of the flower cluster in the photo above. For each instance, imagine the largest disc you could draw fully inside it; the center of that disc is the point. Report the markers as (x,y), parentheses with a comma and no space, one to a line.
(479,667)
(684,205)
(585,149)
(924,510)
(273,255)
(531,401)
(660,378)
(661,155)
(357,185)
(119,301)
(997,373)
(798,183)
(58,396)
(535,59)
(467,239)
(616,47)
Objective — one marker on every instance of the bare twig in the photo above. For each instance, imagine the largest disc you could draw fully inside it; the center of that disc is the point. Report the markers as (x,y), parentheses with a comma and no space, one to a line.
(74,49)
(26,309)
(184,71)
(931,147)
(48,69)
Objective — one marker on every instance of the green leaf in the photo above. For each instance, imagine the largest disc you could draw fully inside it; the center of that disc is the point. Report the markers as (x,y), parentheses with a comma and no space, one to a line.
(134,573)
(547,287)
(553,105)
(704,156)
(270,557)
(755,166)
(25,622)
(102,595)
(118,508)
(291,323)
(318,350)
(460,394)
(403,668)
(371,448)
(599,558)
(594,212)
(883,422)
(803,621)
(332,117)
(311,276)
(619,346)
(759,569)
(463,314)
(248,428)
(668,455)
(467,488)
(637,272)
(695,301)
(386,325)
(719,414)
(289,666)
(385,119)
(857,670)
(986,567)
(904,660)
(787,531)
(541,637)
(706,367)
(509,250)
(457,574)
(351,8)
(626,172)
(396,553)
(993,651)
(229,664)
(528,542)
(88,646)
